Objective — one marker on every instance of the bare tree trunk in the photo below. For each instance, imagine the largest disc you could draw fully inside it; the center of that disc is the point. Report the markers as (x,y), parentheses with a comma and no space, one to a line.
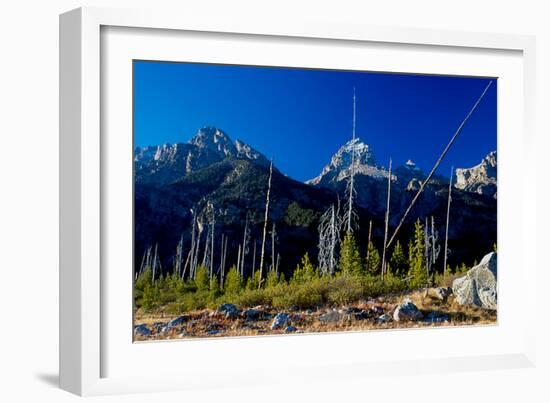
(205,255)
(386,223)
(351,189)
(447,225)
(437,163)
(196,254)
(368,244)
(224,254)
(245,245)
(254,259)
(238,260)
(262,255)
(155,262)
(212,245)
(427,253)
(273,247)
(179,257)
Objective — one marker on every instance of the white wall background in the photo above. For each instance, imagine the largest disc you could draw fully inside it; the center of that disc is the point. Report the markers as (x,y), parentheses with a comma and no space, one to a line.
(29,195)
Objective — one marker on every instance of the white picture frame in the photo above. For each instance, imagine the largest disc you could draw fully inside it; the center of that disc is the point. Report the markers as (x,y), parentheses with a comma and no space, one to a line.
(87,344)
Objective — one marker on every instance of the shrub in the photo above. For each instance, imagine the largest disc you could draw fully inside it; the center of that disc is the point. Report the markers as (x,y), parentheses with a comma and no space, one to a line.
(345,288)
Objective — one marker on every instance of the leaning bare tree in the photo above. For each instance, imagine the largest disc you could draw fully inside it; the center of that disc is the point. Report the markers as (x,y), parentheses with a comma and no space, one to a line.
(437,163)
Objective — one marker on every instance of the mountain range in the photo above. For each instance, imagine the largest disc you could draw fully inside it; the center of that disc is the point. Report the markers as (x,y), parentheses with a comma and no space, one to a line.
(173,179)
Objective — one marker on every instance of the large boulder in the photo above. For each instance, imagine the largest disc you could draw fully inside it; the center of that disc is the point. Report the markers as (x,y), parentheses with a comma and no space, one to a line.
(280,320)
(479,286)
(407,311)
(229,310)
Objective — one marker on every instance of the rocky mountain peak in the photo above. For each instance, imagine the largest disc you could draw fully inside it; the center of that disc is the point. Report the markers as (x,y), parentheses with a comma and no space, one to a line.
(481,178)
(214,139)
(168,162)
(340,164)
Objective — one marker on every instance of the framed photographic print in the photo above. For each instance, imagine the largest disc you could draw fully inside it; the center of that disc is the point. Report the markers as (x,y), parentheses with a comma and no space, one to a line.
(298,196)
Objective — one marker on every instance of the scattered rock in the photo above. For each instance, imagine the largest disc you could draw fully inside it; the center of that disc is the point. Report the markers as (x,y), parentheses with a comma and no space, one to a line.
(180,320)
(350,310)
(158,326)
(332,317)
(253,314)
(384,318)
(479,286)
(407,311)
(440,293)
(280,320)
(142,330)
(230,310)
(290,329)
(362,315)
(213,326)
(376,310)
(436,317)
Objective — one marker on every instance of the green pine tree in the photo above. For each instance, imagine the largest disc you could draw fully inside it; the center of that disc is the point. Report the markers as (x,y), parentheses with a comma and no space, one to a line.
(305,271)
(398,261)
(201,279)
(374,262)
(232,284)
(417,269)
(350,259)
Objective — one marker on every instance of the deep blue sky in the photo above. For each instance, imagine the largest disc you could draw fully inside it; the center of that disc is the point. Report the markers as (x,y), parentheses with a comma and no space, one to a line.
(301,117)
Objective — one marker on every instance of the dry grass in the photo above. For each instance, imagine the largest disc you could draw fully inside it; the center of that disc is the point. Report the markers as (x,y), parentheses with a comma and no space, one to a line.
(205,323)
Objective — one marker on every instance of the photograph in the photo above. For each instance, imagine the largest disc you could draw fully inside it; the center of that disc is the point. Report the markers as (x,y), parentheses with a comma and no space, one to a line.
(276,200)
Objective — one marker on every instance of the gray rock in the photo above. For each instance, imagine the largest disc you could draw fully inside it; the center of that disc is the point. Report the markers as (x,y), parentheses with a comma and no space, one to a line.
(407,311)
(362,315)
(158,326)
(214,332)
(376,310)
(383,318)
(441,293)
(180,320)
(230,310)
(436,317)
(479,286)
(213,326)
(142,330)
(332,317)
(280,320)
(290,329)
(253,314)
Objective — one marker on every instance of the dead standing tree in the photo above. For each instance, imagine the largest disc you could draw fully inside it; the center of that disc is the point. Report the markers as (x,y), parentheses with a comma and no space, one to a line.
(329,229)
(351,216)
(178,259)
(446,252)
(246,240)
(431,249)
(386,224)
(266,216)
